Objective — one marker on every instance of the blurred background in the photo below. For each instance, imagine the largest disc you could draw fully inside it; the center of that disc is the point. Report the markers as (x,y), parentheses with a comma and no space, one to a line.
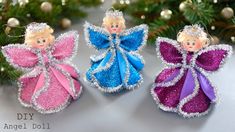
(130,110)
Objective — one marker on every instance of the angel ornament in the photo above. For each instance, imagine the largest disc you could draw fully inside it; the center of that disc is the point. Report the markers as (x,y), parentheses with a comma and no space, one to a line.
(50,81)
(119,64)
(183,86)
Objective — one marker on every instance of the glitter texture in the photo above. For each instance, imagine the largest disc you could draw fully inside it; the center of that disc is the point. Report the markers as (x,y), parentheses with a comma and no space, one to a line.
(115,13)
(35,27)
(119,65)
(172,90)
(50,81)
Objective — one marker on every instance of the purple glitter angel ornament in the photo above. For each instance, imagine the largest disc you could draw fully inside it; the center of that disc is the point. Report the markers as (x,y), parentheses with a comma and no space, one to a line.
(183,86)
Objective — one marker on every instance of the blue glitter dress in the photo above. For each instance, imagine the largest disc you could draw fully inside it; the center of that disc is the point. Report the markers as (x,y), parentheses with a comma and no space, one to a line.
(119,63)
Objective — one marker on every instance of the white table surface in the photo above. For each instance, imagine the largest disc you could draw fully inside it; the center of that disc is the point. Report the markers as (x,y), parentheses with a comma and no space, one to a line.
(128,111)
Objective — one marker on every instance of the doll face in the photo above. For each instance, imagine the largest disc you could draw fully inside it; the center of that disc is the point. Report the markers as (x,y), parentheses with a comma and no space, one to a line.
(40,41)
(114,25)
(192,44)
(114,28)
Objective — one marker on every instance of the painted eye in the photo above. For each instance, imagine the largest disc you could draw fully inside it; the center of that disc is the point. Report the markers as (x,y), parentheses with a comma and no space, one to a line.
(188,43)
(43,40)
(193,43)
(112,26)
(38,41)
(116,26)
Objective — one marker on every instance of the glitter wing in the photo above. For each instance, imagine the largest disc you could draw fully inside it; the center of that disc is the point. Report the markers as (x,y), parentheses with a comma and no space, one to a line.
(96,37)
(212,58)
(169,51)
(134,38)
(20,56)
(65,46)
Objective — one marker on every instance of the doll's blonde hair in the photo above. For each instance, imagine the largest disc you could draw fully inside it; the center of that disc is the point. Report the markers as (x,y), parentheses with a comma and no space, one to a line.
(195,31)
(38,29)
(114,16)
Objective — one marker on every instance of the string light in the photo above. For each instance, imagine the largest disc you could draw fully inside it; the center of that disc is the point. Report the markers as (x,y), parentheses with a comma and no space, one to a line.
(122,2)
(146,9)
(2,69)
(127,2)
(142,17)
(215,1)
(63,2)
(233,39)
(199,1)
(212,27)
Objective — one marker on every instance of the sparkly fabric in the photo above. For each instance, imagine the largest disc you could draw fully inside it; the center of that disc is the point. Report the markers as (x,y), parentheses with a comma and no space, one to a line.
(17,54)
(55,95)
(119,67)
(134,76)
(29,83)
(170,53)
(110,77)
(166,74)
(189,85)
(100,40)
(52,81)
(169,96)
(135,61)
(132,41)
(63,47)
(200,103)
(187,91)
(206,86)
(69,69)
(211,60)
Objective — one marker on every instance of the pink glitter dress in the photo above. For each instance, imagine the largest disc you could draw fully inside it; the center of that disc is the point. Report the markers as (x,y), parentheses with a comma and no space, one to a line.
(183,86)
(50,81)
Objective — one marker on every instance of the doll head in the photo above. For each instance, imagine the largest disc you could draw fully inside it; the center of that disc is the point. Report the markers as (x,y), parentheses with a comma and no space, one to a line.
(192,38)
(39,35)
(114,22)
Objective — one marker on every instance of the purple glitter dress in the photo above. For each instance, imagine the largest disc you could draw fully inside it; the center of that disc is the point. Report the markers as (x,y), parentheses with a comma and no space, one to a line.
(183,86)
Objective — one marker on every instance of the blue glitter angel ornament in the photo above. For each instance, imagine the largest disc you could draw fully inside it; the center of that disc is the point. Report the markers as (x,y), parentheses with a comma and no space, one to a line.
(119,64)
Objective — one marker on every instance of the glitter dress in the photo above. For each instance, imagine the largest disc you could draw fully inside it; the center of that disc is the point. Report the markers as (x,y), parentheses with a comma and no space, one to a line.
(119,64)
(183,86)
(50,81)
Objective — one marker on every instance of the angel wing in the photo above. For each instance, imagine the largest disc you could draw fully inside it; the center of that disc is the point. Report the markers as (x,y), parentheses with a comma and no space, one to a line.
(212,58)
(171,54)
(169,51)
(63,50)
(65,46)
(134,38)
(96,37)
(21,56)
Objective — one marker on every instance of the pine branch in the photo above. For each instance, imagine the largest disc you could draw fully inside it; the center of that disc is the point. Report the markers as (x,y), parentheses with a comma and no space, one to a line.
(199,12)
(205,12)
(31,12)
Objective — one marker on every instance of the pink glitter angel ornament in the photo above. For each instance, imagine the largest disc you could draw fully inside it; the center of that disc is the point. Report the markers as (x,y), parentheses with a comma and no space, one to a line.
(183,86)
(50,81)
